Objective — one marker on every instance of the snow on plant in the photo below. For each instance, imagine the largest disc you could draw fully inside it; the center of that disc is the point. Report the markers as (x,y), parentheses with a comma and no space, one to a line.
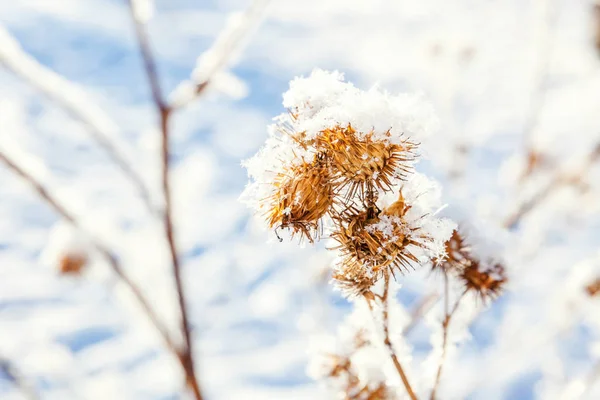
(341,164)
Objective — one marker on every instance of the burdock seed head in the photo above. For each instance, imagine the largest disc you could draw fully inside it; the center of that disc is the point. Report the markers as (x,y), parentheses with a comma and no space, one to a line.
(301,196)
(377,243)
(485,281)
(361,163)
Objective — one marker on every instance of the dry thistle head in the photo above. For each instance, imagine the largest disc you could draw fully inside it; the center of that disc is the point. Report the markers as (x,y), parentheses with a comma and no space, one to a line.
(334,156)
(593,289)
(486,282)
(458,255)
(72,263)
(377,241)
(353,279)
(301,197)
(361,164)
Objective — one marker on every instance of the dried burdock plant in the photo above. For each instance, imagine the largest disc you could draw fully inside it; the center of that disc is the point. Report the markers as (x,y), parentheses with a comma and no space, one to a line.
(301,197)
(486,282)
(456,258)
(485,278)
(382,243)
(361,163)
(480,276)
(342,160)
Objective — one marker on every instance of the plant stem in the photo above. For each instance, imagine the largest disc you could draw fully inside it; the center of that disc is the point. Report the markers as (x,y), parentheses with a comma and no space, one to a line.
(388,342)
(445,325)
(186,355)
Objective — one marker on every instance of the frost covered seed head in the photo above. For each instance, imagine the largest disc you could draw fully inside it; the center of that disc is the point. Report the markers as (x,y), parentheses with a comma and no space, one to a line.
(334,160)
(362,163)
(457,256)
(486,278)
(377,243)
(486,282)
(353,278)
(301,197)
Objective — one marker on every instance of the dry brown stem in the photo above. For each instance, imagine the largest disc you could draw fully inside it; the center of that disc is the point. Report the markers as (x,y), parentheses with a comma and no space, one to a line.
(388,342)
(70,104)
(185,355)
(98,245)
(445,325)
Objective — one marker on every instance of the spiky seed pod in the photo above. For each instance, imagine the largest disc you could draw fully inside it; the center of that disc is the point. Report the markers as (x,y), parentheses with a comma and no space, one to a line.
(353,279)
(72,263)
(377,243)
(593,289)
(458,255)
(487,282)
(302,195)
(361,164)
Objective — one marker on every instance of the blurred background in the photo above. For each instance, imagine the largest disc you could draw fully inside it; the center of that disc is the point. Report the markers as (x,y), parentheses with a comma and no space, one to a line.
(516,86)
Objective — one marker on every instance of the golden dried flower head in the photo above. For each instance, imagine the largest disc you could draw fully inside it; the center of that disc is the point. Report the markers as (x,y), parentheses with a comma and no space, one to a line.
(72,263)
(457,257)
(378,241)
(353,279)
(487,282)
(593,289)
(301,197)
(363,163)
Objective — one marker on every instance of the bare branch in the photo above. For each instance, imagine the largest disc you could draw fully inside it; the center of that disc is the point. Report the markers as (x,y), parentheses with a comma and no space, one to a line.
(225,46)
(164,113)
(98,245)
(74,102)
(445,325)
(388,342)
(147,57)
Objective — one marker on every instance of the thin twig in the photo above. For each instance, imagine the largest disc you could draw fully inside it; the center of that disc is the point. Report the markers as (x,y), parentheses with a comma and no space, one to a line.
(98,245)
(559,181)
(170,234)
(164,113)
(147,57)
(445,325)
(388,342)
(17,379)
(223,48)
(67,96)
